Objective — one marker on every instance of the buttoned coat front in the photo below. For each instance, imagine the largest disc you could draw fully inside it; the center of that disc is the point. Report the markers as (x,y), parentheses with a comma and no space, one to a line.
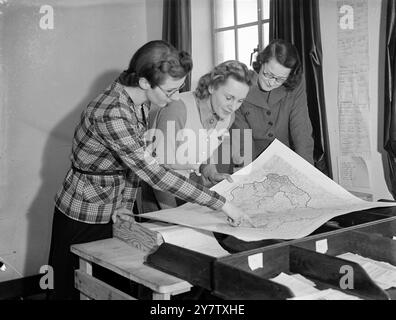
(279,113)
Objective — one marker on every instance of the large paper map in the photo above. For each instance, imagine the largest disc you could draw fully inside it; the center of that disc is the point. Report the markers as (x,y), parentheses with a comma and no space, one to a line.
(285,196)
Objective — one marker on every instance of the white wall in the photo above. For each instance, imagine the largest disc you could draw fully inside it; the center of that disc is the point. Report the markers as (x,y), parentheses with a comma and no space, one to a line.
(201,39)
(47,78)
(154,10)
(329,25)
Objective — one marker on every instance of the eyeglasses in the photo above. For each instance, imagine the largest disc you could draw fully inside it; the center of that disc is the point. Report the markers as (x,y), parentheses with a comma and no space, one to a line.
(171,93)
(268,76)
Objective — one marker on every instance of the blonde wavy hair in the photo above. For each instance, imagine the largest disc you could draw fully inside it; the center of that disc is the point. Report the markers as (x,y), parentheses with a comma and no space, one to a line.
(220,74)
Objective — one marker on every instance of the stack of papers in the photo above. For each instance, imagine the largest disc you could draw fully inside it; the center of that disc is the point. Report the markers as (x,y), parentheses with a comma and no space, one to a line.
(297,284)
(303,289)
(329,294)
(383,273)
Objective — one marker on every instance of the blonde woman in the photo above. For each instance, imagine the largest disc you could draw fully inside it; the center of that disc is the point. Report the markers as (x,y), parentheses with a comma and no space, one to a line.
(187,132)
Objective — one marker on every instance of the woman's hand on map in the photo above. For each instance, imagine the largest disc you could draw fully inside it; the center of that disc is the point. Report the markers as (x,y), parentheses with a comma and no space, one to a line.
(211,176)
(235,216)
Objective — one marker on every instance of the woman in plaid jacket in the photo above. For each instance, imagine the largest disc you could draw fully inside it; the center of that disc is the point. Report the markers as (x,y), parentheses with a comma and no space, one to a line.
(109,158)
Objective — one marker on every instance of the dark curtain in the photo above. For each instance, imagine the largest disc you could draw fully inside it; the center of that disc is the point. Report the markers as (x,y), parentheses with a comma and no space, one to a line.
(176,28)
(390,93)
(297,21)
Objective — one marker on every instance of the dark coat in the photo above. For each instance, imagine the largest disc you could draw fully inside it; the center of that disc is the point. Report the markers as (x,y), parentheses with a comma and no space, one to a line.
(277,114)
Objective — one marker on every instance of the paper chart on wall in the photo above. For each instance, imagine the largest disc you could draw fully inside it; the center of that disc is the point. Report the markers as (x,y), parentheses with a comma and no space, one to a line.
(284,195)
(353,95)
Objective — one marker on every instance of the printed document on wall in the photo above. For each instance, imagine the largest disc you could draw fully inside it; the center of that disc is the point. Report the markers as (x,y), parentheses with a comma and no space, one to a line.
(353,95)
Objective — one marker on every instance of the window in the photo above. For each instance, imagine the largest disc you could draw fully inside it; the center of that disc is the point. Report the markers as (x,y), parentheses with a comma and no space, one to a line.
(240,27)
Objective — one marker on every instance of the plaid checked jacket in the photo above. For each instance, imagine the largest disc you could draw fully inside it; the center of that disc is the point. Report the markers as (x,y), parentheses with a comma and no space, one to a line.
(110,137)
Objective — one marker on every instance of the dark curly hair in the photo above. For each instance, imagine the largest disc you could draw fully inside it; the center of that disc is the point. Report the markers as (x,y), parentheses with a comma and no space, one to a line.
(154,61)
(287,55)
(219,75)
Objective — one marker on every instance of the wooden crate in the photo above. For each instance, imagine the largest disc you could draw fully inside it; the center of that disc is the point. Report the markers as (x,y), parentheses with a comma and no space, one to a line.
(314,257)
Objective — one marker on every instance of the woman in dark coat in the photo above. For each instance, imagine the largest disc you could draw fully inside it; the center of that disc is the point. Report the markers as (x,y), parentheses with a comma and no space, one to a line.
(276,106)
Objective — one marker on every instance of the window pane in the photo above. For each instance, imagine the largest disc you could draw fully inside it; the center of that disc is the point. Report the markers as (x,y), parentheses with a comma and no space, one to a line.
(247,41)
(265,34)
(265,5)
(225,45)
(246,11)
(224,13)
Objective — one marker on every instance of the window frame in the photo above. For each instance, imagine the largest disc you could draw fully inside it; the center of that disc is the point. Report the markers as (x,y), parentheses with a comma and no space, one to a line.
(259,23)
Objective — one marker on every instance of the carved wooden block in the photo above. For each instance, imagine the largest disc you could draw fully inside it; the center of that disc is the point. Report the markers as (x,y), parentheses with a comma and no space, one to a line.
(143,236)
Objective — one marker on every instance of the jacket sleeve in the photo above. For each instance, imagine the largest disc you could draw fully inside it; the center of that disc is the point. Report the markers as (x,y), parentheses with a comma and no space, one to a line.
(239,131)
(300,125)
(119,135)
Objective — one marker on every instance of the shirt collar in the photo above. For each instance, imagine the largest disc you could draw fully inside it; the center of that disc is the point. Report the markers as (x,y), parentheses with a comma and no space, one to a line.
(120,88)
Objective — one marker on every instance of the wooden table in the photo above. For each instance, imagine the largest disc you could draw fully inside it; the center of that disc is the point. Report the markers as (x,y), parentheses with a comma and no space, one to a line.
(119,257)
